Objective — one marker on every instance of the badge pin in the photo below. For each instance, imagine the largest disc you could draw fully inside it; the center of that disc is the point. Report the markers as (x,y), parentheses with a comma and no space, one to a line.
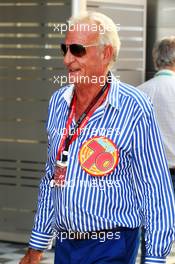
(98,156)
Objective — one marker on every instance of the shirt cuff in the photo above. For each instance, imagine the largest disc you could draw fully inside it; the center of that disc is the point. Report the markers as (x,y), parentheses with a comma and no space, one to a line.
(40,241)
(154,260)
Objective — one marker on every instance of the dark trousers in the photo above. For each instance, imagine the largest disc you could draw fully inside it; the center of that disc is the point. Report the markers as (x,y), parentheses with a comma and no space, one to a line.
(121,249)
(172,171)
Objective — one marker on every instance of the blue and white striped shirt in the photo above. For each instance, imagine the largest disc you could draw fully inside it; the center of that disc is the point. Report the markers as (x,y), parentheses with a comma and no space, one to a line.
(141,191)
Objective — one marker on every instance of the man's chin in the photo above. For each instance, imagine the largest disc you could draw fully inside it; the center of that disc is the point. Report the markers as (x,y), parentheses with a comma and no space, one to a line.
(78,79)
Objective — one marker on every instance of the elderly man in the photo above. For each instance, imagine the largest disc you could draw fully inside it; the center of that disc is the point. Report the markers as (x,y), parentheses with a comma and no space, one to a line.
(161,90)
(107,174)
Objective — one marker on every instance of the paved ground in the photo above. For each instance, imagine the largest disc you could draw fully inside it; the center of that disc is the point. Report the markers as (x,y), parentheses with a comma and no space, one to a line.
(11,253)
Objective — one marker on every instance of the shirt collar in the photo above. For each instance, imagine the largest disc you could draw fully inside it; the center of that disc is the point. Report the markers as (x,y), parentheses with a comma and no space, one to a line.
(112,97)
(165,72)
(68,93)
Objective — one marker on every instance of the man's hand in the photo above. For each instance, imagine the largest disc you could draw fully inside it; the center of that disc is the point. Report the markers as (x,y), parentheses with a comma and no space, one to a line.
(32,256)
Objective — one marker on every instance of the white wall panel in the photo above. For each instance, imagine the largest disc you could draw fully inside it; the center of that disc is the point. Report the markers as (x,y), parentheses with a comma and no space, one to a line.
(131,15)
(26,83)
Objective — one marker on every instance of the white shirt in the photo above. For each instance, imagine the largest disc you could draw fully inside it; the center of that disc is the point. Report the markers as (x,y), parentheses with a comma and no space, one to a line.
(161,90)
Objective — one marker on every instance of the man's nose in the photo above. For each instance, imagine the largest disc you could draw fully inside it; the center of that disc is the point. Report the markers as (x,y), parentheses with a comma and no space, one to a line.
(68,58)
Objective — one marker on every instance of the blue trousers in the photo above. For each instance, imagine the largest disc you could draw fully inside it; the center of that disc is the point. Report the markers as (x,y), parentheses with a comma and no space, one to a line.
(118,250)
(173,179)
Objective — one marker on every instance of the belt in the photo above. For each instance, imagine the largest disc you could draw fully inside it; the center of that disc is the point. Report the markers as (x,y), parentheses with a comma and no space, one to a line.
(107,233)
(172,170)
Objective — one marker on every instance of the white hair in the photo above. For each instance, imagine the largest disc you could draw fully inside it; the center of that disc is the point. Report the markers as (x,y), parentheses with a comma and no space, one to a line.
(108,33)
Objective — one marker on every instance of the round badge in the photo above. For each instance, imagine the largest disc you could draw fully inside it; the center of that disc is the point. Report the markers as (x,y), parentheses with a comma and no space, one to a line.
(98,156)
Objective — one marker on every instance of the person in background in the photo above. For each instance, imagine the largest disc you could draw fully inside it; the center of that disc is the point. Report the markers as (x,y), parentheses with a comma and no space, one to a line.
(109,176)
(161,90)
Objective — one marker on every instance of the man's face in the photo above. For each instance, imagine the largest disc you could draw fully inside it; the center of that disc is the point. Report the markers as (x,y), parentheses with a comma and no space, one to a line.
(90,64)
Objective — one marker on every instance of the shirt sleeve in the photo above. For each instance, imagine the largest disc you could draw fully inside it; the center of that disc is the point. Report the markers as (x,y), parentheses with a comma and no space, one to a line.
(42,232)
(154,189)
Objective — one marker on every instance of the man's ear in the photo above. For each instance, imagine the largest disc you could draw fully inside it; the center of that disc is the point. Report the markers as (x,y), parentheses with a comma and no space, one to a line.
(107,54)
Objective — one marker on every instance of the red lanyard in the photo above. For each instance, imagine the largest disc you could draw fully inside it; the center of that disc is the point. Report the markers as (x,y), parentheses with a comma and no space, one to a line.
(82,122)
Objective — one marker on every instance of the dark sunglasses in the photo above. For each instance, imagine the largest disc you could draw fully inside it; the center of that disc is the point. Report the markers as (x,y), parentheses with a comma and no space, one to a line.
(77,50)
